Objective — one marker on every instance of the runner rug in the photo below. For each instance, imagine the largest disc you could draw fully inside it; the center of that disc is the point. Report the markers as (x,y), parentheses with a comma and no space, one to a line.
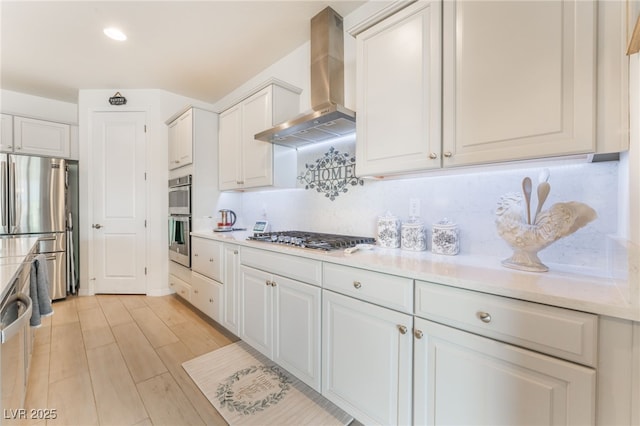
(249,389)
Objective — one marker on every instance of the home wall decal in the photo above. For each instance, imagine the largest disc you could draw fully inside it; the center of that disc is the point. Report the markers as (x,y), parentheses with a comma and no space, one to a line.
(331,174)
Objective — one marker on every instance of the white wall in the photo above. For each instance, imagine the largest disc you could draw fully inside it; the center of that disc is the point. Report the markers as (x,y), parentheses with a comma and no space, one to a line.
(159,105)
(24,105)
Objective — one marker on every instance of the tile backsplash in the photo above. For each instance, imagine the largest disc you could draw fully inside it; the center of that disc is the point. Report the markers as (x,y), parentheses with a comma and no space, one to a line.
(468,198)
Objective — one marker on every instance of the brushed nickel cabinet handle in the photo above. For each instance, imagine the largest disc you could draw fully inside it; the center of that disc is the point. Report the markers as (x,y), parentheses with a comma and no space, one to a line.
(433,156)
(403,329)
(448,154)
(357,284)
(484,317)
(418,334)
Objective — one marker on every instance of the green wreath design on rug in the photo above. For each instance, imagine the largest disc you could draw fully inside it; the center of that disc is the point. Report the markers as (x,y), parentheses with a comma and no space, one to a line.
(268,376)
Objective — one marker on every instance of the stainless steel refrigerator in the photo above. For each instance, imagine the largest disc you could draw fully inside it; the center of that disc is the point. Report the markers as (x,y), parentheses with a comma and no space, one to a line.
(33,202)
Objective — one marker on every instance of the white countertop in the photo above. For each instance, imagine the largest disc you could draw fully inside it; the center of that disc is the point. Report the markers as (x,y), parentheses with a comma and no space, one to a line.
(614,293)
(13,251)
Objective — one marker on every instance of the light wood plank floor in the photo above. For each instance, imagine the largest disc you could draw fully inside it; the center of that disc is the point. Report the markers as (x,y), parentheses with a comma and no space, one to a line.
(117,360)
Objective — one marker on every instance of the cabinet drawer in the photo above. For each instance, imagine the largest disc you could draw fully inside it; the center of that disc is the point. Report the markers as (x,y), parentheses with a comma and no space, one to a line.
(563,333)
(207,257)
(294,267)
(386,290)
(181,288)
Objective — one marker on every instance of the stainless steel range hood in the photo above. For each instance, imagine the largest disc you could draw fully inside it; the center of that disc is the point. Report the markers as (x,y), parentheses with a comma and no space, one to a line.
(329,118)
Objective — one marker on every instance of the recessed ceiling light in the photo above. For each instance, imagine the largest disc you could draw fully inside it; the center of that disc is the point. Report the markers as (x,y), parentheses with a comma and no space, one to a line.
(115,34)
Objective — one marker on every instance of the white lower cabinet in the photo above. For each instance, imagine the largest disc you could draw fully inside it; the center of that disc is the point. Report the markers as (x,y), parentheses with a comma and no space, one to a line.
(367,359)
(230,275)
(206,295)
(280,317)
(181,287)
(462,378)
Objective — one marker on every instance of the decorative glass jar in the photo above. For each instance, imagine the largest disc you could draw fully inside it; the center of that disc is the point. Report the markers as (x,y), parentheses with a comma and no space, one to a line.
(413,235)
(445,238)
(388,231)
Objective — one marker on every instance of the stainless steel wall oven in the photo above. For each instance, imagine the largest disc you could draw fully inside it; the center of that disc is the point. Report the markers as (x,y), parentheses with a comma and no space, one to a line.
(180,220)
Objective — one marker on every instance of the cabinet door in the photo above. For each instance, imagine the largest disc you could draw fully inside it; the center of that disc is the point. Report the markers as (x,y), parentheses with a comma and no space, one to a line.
(39,137)
(206,295)
(231,314)
(296,329)
(462,378)
(399,92)
(366,359)
(519,80)
(185,138)
(174,157)
(257,155)
(230,149)
(6,132)
(256,310)
(207,257)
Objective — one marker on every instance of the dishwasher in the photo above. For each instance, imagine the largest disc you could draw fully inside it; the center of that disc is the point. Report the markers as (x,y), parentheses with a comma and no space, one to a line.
(15,341)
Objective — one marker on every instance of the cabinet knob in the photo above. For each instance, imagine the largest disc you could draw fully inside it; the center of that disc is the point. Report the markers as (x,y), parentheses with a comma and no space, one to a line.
(18,147)
(195,254)
(403,329)
(211,259)
(195,291)
(240,182)
(267,282)
(273,283)
(357,284)
(433,156)
(235,252)
(210,300)
(448,154)
(484,317)
(418,334)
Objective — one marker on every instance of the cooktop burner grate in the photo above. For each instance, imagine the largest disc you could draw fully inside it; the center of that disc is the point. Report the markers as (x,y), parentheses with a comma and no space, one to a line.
(312,240)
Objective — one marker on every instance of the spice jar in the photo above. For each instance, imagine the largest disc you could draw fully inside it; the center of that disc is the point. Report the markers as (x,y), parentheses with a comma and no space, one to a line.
(445,238)
(388,231)
(413,235)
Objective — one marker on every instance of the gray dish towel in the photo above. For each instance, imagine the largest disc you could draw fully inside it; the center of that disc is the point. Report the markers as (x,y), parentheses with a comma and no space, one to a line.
(39,287)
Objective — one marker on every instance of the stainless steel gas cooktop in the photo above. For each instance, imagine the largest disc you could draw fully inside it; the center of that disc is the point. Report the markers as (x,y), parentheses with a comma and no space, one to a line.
(312,240)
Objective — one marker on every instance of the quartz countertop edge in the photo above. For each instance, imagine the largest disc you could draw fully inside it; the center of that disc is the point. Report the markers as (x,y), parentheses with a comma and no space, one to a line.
(599,294)
(13,252)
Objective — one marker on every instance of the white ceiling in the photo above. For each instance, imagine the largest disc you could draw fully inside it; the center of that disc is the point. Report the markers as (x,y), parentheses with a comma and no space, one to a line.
(198,49)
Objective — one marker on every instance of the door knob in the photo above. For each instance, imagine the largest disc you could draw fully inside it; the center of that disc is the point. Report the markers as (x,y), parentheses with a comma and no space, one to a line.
(96,226)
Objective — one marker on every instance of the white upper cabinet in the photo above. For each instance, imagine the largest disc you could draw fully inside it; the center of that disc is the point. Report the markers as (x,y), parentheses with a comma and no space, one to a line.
(519,80)
(181,140)
(6,132)
(37,137)
(399,92)
(249,163)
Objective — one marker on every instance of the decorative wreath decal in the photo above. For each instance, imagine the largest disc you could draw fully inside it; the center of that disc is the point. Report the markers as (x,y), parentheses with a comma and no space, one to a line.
(253,389)
(331,174)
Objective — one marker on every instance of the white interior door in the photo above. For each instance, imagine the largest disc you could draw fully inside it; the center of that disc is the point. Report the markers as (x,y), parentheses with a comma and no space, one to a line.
(119,202)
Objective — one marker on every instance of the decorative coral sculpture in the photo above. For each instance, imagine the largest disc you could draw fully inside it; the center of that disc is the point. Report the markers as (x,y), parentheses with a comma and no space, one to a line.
(526,239)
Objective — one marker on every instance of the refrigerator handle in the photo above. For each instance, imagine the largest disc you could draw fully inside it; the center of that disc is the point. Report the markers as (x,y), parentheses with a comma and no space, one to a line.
(3,186)
(12,194)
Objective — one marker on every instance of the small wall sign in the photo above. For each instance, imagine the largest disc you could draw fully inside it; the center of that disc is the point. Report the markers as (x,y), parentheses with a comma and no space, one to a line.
(117,99)
(331,174)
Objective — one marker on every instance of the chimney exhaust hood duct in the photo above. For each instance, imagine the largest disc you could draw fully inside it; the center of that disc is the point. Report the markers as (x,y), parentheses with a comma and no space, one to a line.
(329,118)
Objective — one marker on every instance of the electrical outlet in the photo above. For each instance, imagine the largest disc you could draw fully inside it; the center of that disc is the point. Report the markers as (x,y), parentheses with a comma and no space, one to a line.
(414,207)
